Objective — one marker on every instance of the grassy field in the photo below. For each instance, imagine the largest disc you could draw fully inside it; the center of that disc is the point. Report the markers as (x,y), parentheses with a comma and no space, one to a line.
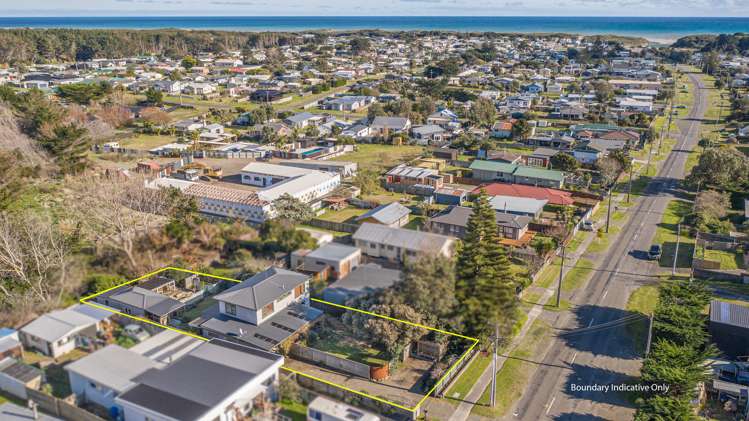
(727,259)
(601,242)
(342,215)
(465,382)
(354,352)
(515,373)
(666,234)
(577,275)
(381,157)
(643,300)
(297,411)
(549,274)
(146,141)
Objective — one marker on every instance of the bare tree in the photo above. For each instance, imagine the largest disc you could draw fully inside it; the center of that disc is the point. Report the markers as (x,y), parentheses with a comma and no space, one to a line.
(116,211)
(609,169)
(35,262)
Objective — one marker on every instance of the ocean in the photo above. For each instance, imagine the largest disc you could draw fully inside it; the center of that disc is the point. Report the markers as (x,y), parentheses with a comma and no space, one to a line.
(653,28)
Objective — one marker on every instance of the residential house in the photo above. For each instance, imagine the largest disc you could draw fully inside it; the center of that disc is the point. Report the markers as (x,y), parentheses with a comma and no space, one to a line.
(401,177)
(10,343)
(263,310)
(217,381)
(305,119)
(449,196)
(98,378)
(541,157)
(347,103)
(552,196)
(443,118)
(324,409)
(513,173)
(384,126)
(58,332)
(428,135)
(398,244)
(524,206)
(345,169)
(142,302)
(362,280)
(17,376)
(591,151)
(501,130)
(729,327)
(453,221)
(392,215)
(341,258)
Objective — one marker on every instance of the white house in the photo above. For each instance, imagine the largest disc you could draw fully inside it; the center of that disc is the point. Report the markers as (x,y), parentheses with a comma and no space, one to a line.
(59,332)
(217,381)
(100,377)
(398,244)
(324,409)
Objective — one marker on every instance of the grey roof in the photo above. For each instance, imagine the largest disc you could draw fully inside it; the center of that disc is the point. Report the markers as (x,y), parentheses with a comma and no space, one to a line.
(386,214)
(333,251)
(362,280)
(18,370)
(404,238)
(12,412)
(112,366)
(269,333)
(7,343)
(458,215)
(262,288)
(166,346)
(298,118)
(545,152)
(729,313)
(197,382)
(398,123)
(58,324)
(607,144)
(515,204)
(153,302)
(427,129)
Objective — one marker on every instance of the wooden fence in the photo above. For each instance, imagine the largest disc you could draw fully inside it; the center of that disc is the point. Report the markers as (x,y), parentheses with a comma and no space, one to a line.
(331,361)
(333,226)
(59,407)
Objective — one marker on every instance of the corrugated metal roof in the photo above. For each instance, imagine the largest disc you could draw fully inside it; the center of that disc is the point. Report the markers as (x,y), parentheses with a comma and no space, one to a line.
(729,313)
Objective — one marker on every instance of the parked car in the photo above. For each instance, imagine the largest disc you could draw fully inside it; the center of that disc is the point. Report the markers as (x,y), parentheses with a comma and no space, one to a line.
(655,252)
(588,226)
(136,332)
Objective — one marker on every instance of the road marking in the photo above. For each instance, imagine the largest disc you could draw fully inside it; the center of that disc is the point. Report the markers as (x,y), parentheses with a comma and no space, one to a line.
(550,404)
(591,322)
(573,358)
(604,295)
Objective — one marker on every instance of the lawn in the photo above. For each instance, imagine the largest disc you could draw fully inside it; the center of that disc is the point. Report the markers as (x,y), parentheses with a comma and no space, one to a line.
(577,239)
(465,382)
(548,274)
(335,345)
(727,259)
(342,215)
(146,141)
(643,300)
(601,242)
(515,373)
(665,235)
(381,157)
(297,411)
(577,275)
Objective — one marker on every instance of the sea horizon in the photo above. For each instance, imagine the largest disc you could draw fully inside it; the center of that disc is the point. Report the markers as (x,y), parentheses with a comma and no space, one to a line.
(656,29)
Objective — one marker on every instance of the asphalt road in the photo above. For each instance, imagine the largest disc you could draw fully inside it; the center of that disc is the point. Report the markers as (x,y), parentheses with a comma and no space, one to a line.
(602,353)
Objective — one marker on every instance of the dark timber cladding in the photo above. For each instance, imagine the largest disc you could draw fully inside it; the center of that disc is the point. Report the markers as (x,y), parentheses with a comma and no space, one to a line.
(729,327)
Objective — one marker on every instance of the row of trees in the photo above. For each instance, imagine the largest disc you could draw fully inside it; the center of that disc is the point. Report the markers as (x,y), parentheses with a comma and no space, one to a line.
(680,348)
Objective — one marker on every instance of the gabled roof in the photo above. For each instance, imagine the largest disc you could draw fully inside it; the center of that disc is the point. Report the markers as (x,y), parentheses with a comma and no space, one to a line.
(152,302)
(729,313)
(386,214)
(531,172)
(458,215)
(517,204)
(555,197)
(262,288)
(419,241)
(493,166)
(58,324)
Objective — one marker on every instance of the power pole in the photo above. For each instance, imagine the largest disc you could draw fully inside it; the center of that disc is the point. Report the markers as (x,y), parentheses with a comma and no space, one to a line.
(676,252)
(650,335)
(629,188)
(494,367)
(561,275)
(608,211)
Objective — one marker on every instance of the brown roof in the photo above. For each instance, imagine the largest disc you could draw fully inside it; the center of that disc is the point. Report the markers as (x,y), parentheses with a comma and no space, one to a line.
(209,191)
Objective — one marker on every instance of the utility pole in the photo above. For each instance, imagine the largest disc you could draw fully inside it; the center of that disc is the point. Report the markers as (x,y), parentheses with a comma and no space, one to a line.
(493,398)
(629,188)
(561,275)
(668,126)
(608,211)
(676,252)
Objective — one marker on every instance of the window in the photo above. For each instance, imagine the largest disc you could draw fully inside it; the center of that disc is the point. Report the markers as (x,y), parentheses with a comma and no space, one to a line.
(267,310)
(230,309)
(315,415)
(299,290)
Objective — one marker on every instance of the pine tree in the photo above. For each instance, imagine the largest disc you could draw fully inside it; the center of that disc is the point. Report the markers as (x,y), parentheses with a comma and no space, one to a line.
(485,286)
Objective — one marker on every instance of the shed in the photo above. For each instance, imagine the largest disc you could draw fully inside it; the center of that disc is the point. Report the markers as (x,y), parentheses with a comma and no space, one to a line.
(729,327)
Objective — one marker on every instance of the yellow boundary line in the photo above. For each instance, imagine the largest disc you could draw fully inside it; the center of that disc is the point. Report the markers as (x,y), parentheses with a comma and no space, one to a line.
(85,300)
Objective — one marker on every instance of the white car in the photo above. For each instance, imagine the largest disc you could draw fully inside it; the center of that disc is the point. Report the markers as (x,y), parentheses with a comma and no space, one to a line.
(136,332)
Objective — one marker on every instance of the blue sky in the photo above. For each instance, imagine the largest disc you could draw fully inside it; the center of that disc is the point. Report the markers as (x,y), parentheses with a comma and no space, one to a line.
(376,7)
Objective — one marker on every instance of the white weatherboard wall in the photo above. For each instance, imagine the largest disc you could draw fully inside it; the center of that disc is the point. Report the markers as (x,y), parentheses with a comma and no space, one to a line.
(13,386)
(89,391)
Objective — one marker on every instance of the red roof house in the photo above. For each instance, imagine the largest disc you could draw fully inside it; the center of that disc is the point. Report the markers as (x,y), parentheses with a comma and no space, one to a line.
(555,197)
